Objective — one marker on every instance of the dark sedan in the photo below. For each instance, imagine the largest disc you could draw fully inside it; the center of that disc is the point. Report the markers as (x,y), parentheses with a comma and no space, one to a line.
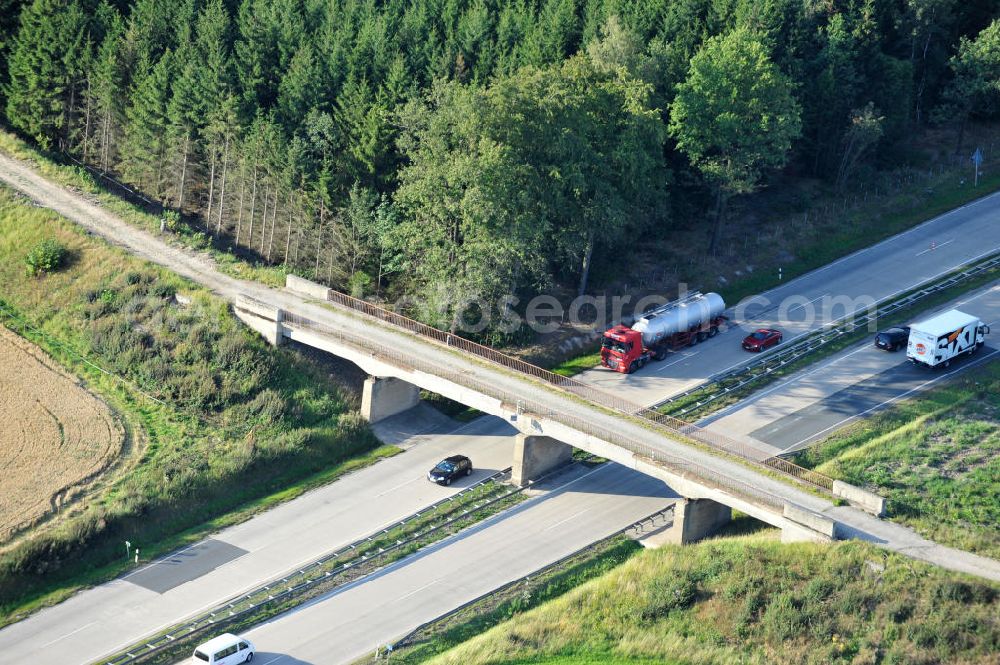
(761,339)
(450,468)
(892,338)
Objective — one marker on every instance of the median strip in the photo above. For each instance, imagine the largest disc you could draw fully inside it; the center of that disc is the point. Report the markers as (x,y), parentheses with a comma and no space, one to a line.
(723,388)
(346,565)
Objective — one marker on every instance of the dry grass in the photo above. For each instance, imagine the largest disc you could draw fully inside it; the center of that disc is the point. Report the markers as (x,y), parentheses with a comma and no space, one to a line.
(754,600)
(55,436)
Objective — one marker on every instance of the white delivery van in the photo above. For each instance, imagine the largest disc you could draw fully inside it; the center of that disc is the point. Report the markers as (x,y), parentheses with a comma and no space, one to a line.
(225,649)
(936,341)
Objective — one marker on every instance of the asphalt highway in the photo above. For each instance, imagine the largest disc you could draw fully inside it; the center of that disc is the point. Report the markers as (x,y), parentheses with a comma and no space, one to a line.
(99,621)
(814,402)
(352,622)
(804,304)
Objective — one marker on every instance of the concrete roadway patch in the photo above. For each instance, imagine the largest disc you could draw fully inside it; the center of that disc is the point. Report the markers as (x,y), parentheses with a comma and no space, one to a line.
(185,565)
(800,428)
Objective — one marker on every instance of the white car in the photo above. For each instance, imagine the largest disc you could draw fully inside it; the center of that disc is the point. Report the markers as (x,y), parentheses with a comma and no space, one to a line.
(225,649)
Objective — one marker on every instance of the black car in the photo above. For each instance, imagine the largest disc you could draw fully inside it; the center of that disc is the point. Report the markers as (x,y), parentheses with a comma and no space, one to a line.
(892,338)
(450,468)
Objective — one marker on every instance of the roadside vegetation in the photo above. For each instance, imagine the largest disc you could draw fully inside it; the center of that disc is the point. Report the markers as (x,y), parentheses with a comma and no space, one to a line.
(448,152)
(751,599)
(935,457)
(217,421)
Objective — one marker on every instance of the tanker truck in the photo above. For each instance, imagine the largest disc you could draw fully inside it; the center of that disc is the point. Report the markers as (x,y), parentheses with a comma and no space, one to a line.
(684,322)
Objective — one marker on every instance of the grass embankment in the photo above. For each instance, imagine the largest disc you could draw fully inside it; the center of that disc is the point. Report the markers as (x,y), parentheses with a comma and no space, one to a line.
(752,599)
(507,603)
(79,178)
(838,235)
(217,421)
(936,458)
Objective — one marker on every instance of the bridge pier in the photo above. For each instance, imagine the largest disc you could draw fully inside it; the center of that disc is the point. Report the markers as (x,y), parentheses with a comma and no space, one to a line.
(386,396)
(694,519)
(534,455)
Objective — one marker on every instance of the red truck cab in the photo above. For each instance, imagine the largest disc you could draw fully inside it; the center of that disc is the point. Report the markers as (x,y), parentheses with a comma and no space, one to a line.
(622,350)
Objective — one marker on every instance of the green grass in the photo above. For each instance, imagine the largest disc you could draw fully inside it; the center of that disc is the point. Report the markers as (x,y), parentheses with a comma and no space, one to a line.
(574,366)
(449,407)
(218,421)
(936,459)
(751,599)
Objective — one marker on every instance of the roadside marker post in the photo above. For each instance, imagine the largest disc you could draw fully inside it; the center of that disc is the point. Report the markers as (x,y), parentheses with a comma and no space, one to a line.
(977,159)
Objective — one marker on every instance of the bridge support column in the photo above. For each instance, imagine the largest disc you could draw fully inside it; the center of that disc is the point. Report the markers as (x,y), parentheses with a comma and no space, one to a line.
(694,519)
(534,455)
(386,396)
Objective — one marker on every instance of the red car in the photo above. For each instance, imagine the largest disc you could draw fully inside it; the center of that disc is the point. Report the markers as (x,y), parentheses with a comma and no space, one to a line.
(761,339)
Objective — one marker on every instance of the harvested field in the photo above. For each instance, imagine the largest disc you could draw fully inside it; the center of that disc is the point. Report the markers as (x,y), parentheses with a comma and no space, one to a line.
(55,436)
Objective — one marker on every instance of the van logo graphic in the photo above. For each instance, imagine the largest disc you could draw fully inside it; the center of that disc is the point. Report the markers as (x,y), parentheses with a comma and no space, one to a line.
(921,349)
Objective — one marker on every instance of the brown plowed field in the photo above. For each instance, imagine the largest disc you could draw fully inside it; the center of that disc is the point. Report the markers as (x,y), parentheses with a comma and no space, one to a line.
(55,436)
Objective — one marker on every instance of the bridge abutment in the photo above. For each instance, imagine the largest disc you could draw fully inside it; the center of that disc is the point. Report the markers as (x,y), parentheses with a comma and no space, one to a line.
(386,396)
(535,455)
(261,317)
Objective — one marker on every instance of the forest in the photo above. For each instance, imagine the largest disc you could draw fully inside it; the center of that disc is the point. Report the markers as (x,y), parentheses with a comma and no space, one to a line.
(442,150)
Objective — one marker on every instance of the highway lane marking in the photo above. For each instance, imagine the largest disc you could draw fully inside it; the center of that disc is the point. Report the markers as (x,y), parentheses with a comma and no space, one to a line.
(416,591)
(68,634)
(791,309)
(404,484)
(695,382)
(935,246)
(893,399)
(795,378)
(561,522)
(685,355)
(276,658)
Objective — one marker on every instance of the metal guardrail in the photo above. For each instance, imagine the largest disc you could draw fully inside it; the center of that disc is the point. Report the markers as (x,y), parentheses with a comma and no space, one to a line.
(671,424)
(674,463)
(638,525)
(307,576)
(807,343)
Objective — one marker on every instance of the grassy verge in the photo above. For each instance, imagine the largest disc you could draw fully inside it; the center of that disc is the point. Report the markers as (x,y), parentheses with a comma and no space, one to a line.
(936,458)
(751,599)
(78,178)
(689,404)
(220,422)
(574,366)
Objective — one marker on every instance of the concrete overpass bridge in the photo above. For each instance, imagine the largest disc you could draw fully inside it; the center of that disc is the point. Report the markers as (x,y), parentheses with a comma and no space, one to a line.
(555,414)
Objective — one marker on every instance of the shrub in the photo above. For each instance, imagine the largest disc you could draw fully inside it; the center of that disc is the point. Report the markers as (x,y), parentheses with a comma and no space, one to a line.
(47,256)
(668,594)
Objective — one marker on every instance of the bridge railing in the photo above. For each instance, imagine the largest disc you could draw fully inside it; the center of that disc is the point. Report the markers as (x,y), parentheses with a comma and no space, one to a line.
(586,391)
(653,454)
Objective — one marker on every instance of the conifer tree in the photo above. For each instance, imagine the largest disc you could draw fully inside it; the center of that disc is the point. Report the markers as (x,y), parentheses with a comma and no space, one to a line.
(45,66)
(145,140)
